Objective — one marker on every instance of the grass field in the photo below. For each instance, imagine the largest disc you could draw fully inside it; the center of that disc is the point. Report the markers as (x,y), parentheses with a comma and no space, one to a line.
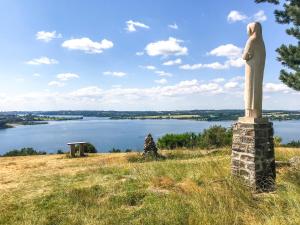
(190,187)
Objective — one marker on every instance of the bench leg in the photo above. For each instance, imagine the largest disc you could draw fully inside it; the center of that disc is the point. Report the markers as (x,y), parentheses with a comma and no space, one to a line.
(81,149)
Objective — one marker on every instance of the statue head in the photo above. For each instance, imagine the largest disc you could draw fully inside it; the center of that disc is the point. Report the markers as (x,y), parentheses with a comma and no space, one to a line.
(254,30)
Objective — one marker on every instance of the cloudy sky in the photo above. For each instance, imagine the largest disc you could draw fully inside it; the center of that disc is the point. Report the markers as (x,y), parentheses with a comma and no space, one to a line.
(133,55)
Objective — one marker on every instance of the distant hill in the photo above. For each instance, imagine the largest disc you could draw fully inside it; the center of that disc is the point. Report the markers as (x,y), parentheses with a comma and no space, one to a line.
(205,115)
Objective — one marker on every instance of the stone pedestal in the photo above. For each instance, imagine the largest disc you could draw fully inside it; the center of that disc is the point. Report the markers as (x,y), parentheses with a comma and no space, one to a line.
(253,153)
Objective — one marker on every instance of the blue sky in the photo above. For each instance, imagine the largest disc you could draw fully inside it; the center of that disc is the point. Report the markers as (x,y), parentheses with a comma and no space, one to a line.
(133,55)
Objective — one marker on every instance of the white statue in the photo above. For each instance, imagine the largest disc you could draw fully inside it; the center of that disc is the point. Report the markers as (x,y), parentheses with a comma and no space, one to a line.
(255,56)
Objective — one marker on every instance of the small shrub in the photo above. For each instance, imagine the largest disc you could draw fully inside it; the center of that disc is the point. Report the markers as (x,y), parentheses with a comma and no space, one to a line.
(60,152)
(135,158)
(115,150)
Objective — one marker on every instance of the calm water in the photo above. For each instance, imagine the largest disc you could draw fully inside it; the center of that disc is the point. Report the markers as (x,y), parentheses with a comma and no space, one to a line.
(106,134)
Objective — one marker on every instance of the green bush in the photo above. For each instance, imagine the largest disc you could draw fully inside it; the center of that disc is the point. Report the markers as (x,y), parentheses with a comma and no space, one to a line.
(213,137)
(60,152)
(23,152)
(115,150)
(173,141)
(89,148)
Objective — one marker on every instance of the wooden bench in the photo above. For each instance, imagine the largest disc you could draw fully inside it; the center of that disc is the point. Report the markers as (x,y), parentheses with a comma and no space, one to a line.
(73,145)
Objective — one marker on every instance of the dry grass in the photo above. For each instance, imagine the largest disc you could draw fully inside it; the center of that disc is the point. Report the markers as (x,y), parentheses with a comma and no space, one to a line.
(32,174)
(189,187)
(286,153)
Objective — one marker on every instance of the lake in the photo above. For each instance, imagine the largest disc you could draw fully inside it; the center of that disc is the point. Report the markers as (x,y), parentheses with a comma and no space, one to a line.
(106,134)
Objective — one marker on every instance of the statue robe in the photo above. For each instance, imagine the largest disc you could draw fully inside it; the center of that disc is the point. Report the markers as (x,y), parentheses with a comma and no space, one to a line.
(255,56)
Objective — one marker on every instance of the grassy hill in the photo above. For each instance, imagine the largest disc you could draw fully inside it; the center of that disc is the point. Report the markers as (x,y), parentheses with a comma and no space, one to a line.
(190,187)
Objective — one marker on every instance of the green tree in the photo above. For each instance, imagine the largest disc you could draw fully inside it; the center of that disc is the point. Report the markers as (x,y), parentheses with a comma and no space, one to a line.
(89,148)
(289,55)
(215,137)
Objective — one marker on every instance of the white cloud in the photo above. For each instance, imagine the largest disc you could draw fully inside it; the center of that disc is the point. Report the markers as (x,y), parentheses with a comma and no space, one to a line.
(92,97)
(43,60)
(87,45)
(276,87)
(139,53)
(132,26)
(165,48)
(36,75)
(182,95)
(218,80)
(260,16)
(149,67)
(47,36)
(173,26)
(115,74)
(238,62)
(182,88)
(172,62)
(227,50)
(56,84)
(235,16)
(231,85)
(191,67)
(92,91)
(230,51)
(163,73)
(116,86)
(2,95)
(215,66)
(66,76)
(237,78)
(161,81)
